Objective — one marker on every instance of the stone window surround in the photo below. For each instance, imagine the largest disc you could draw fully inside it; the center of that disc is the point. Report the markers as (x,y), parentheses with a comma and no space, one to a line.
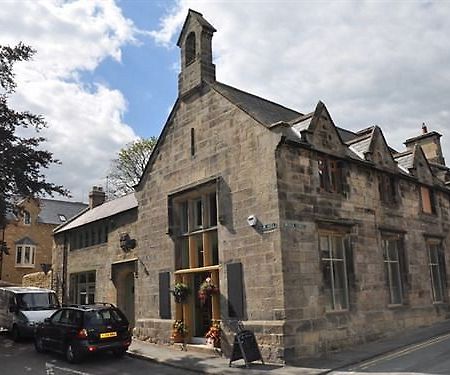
(331,174)
(340,235)
(436,263)
(387,188)
(427,200)
(392,259)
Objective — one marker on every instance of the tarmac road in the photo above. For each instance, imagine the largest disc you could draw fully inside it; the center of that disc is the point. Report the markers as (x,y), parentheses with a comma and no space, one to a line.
(21,358)
(431,357)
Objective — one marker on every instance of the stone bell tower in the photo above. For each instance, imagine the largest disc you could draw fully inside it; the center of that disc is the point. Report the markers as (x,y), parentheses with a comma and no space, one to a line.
(196,53)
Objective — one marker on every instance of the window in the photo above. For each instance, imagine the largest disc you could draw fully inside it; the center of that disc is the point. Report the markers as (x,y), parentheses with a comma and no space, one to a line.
(332,248)
(192,141)
(26,218)
(25,255)
(197,244)
(394,264)
(82,287)
(427,199)
(190,49)
(436,263)
(62,217)
(330,175)
(387,188)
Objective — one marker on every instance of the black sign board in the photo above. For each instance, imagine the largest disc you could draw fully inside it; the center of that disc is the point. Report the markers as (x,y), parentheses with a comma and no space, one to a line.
(245,347)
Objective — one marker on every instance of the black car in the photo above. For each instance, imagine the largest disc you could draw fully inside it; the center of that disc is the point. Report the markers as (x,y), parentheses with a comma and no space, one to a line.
(81,329)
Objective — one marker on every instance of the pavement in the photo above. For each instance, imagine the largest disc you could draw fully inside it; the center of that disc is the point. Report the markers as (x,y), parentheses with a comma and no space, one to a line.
(210,362)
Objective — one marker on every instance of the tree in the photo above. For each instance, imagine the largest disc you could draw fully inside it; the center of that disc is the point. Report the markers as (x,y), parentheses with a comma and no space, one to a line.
(21,158)
(128,167)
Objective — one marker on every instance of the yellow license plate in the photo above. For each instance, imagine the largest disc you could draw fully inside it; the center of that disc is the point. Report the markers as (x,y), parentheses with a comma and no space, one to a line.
(108,334)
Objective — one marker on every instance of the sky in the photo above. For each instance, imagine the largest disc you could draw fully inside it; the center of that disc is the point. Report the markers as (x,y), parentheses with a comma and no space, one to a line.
(105,72)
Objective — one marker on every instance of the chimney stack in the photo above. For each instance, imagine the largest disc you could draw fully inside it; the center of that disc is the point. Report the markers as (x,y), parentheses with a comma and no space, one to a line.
(96,197)
(430,143)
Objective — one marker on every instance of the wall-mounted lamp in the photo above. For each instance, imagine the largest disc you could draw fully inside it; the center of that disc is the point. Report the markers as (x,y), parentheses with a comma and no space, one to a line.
(127,243)
(46,267)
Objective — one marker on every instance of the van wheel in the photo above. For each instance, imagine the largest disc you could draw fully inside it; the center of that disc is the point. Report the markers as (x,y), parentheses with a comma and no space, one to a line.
(15,333)
(39,344)
(72,354)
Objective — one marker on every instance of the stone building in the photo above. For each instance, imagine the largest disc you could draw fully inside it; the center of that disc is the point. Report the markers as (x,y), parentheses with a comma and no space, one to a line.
(29,235)
(94,256)
(316,237)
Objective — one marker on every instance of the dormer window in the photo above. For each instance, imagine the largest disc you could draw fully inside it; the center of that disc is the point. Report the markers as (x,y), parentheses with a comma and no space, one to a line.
(330,175)
(427,200)
(190,49)
(387,187)
(26,218)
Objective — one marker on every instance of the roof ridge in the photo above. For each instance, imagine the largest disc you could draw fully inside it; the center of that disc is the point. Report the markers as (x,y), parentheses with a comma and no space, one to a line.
(257,96)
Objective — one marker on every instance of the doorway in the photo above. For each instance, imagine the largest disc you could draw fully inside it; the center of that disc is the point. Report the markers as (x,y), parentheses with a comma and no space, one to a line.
(124,280)
(202,310)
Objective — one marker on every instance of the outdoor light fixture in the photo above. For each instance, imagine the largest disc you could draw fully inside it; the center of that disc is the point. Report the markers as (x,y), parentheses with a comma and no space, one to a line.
(127,243)
(46,267)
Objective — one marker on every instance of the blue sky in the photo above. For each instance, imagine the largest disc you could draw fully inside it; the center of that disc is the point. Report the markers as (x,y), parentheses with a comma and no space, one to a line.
(106,71)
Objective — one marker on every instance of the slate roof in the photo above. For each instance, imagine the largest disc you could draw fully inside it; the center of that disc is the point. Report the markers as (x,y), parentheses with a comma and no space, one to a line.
(52,210)
(107,209)
(405,160)
(262,110)
(361,145)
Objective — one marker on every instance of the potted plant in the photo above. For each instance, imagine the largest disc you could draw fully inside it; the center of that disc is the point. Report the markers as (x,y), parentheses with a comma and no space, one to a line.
(213,334)
(180,291)
(179,331)
(207,288)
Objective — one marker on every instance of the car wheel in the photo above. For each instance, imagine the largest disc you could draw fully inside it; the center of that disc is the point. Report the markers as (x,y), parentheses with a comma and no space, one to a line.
(39,344)
(72,354)
(15,333)
(119,352)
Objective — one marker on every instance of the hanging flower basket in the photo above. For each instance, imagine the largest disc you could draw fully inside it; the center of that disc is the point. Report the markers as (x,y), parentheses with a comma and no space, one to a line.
(207,288)
(180,291)
(213,334)
(179,331)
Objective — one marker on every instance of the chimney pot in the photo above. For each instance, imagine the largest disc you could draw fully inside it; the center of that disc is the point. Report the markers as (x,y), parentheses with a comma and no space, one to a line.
(424,128)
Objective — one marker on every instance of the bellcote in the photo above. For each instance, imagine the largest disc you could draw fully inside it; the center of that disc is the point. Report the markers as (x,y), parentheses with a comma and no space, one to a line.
(195,43)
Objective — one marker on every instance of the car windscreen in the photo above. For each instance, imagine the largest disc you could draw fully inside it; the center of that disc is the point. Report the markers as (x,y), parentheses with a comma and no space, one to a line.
(105,317)
(37,301)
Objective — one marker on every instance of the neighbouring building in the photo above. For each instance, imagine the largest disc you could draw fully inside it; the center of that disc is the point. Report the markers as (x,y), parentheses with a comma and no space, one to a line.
(94,254)
(316,237)
(29,235)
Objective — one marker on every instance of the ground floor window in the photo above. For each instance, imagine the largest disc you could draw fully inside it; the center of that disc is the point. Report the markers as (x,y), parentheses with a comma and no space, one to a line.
(82,288)
(436,263)
(334,270)
(393,263)
(25,255)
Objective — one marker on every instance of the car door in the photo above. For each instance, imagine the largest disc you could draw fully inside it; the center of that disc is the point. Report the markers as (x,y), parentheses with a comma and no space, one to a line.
(49,330)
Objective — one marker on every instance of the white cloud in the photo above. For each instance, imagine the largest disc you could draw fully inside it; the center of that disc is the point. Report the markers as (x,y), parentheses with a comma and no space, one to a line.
(86,125)
(384,63)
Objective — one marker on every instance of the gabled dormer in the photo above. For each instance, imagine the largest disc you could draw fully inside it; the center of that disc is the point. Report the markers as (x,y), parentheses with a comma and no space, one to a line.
(421,169)
(379,152)
(322,133)
(195,43)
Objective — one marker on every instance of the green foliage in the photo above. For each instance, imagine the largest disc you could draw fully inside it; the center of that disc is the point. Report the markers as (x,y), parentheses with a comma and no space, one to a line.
(127,169)
(21,158)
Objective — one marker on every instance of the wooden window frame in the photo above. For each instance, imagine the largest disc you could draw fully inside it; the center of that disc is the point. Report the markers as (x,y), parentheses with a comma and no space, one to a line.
(332,260)
(438,285)
(392,265)
(330,175)
(32,256)
(387,188)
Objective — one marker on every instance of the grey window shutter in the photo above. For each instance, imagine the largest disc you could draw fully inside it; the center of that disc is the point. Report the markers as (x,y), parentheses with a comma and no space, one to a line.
(164,295)
(235,291)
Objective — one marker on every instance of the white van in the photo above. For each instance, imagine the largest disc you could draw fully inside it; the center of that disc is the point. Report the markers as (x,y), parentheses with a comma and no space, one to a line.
(21,308)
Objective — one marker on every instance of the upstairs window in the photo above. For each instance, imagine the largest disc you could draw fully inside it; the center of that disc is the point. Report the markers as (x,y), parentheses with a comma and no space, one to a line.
(190,49)
(331,175)
(387,187)
(427,200)
(26,218)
